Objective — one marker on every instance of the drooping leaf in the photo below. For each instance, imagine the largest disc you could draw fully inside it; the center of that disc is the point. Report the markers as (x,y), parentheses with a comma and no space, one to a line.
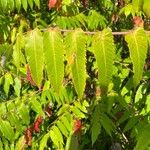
(24,114)
(62,128)
(106,123)
(137,4)
(77,112)
(24,4)
(58,134)
(138,44)
(11,4)
(144,136)
(4,4)
(30,2)
(75,43)
(17,86)
(72,142)
(17,53)
(14,120)
(54,138)
(37,3)
(104,51)
(7,130)
(131,123)
(43,142)
(146,7)
(66,121)
(1,145)
(36,106)
(54,57)
(35,57)
(20,145)
(95,124)
(18,4)
(8,82)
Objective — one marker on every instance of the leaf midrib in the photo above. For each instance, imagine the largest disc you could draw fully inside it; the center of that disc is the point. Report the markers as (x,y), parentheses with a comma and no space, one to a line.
(54,58)
(76,62)
(103,49)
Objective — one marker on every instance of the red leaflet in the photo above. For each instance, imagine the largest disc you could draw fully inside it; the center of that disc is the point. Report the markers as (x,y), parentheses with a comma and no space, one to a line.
(77,126)
(52,3)
(28,136)
(29,77)
(37,123)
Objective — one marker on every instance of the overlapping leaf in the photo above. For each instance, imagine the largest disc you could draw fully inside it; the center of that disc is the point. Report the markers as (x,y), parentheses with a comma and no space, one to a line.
(35,57)
(137,43)
(17,53)
(76,56)
(54,57)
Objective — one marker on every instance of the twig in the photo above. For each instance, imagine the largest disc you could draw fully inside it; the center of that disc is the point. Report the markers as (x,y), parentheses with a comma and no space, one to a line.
(91,33)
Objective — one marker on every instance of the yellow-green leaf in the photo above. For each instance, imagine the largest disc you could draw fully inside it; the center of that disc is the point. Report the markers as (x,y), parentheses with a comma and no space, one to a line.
(104,51)
(35,57)
(7,130)
(54,58)
(138,45)
(75,43)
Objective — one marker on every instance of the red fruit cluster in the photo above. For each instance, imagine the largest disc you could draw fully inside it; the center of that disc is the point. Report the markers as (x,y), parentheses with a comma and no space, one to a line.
(77,126)
(35,128)
(37,123)
(28,136)
(138,21)
(54,4)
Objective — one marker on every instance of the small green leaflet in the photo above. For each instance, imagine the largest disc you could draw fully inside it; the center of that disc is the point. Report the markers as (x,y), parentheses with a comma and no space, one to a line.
(24,4)
(43,142)
(144,137)
(138,44)
(17,53)
(3,4)
(37,2)
(95,124)
(30,2)
(18,4)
